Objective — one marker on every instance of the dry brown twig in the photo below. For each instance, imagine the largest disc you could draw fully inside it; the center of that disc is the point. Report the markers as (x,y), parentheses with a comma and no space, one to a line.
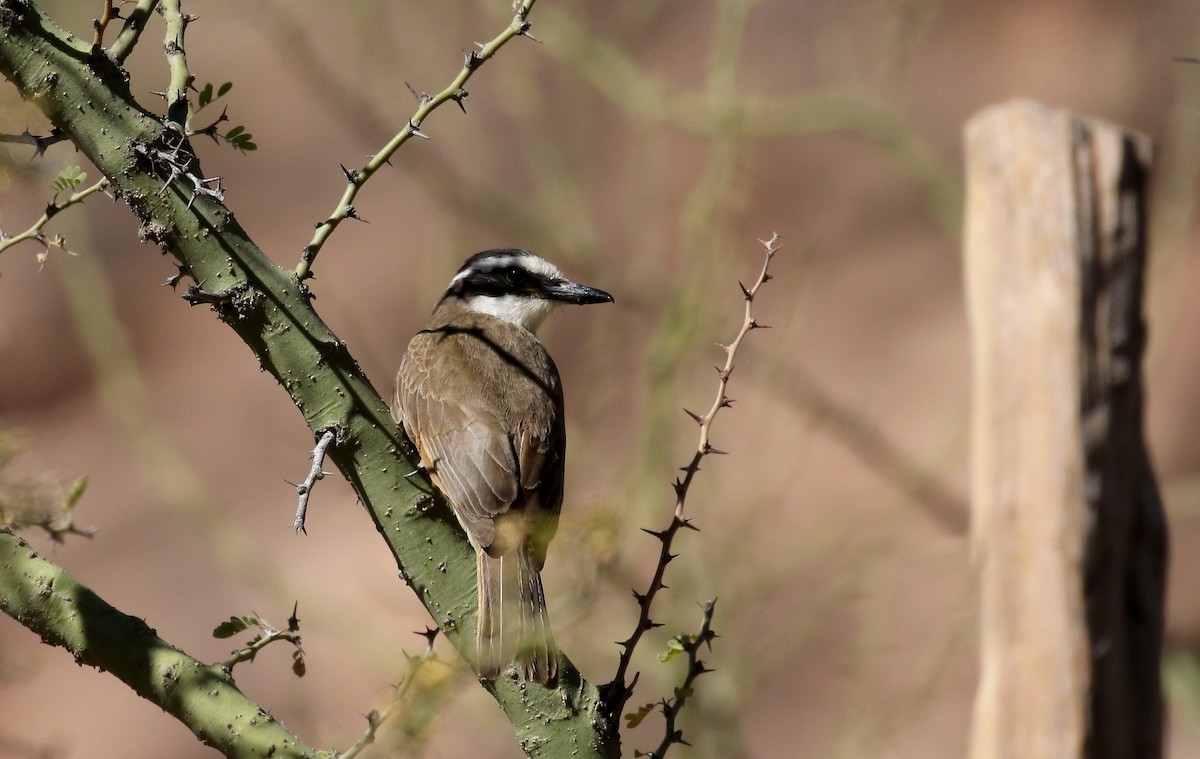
(375,718)
(617,692)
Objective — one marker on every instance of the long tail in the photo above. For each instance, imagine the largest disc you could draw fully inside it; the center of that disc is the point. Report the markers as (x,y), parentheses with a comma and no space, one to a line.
(513,623)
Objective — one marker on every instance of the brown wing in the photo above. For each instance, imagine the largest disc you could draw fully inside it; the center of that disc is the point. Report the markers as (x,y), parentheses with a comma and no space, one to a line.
(489,428)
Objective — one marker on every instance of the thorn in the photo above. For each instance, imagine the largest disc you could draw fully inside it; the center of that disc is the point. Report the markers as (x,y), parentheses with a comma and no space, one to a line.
(670,557)
(695,417)
(429,634)
(745,293)
(459,97)
(724,373)
(726,402)
(195,296)
(653,625)
(715,451)
(471,60)
(687,523)
(660,535)
(422,97)
(524,32)
(767,278)
(639,597)
(352,213)
(415,130)
(173,280)
(755,325)
(351,175)
(722,346)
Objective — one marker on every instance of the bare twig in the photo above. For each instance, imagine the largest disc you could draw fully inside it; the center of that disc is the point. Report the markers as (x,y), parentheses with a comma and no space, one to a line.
(426,104)
(52,208)
(616,692)
(101,24)
(317,472)
(375,718)
(38,142)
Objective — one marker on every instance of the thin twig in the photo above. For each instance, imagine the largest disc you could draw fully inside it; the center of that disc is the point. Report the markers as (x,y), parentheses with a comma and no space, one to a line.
(269,635)
(426,104)
(38,142)
(317,472)
(671,707)
(101,24)
(52,208)
(616,692)
(375,718)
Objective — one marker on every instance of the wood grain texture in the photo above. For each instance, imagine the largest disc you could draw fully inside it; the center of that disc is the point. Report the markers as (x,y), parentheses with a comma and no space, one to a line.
(1066,524)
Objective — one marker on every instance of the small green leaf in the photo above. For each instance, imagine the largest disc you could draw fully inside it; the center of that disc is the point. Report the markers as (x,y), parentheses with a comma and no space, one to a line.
(682,693)
(236,625)
(224,88)
(206,95)
(74,494)
(241,139)
(674,648)
(72,176)
(633,719)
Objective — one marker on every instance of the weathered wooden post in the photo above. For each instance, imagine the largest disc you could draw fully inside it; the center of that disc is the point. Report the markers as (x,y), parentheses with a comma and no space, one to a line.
(1067,526)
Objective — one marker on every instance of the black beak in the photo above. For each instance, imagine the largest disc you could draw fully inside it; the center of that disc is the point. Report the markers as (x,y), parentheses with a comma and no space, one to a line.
(569,292)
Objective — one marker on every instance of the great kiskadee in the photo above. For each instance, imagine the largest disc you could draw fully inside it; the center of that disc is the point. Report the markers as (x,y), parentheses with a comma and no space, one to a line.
(480,397)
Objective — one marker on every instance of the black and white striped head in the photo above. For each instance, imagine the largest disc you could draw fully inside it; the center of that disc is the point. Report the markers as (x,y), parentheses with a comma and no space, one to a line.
(517,286)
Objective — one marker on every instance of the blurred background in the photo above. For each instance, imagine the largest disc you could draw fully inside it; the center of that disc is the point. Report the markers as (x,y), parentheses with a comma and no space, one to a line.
(645,147)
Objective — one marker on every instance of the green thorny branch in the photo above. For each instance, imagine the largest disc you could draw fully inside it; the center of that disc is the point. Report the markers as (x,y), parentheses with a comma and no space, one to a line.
(426,104)
(152,167)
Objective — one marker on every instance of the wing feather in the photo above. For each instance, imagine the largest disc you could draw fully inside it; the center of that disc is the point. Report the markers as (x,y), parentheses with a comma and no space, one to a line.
(493,443)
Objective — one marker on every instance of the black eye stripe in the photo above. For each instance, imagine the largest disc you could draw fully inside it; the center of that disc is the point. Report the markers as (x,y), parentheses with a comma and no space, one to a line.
(509,280)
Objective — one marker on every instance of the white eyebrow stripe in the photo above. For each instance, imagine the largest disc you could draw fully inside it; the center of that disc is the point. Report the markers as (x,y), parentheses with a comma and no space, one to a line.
(500,262)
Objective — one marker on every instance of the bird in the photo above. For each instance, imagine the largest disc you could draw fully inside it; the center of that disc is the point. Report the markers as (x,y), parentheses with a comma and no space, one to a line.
(480,398)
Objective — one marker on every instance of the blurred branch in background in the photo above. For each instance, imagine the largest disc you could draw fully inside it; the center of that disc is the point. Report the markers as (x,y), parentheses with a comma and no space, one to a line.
(124,394)
(759,116)
(923,485)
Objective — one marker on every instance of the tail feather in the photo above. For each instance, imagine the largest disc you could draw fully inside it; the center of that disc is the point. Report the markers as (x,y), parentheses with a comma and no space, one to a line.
(514,625)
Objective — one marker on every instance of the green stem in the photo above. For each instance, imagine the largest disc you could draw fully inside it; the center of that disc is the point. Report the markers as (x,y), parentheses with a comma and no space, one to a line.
(35,231)
(135,22)
(49,601)
(181,78)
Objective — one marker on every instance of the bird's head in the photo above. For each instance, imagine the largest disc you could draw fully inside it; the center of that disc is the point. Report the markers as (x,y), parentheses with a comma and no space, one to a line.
(517,286)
